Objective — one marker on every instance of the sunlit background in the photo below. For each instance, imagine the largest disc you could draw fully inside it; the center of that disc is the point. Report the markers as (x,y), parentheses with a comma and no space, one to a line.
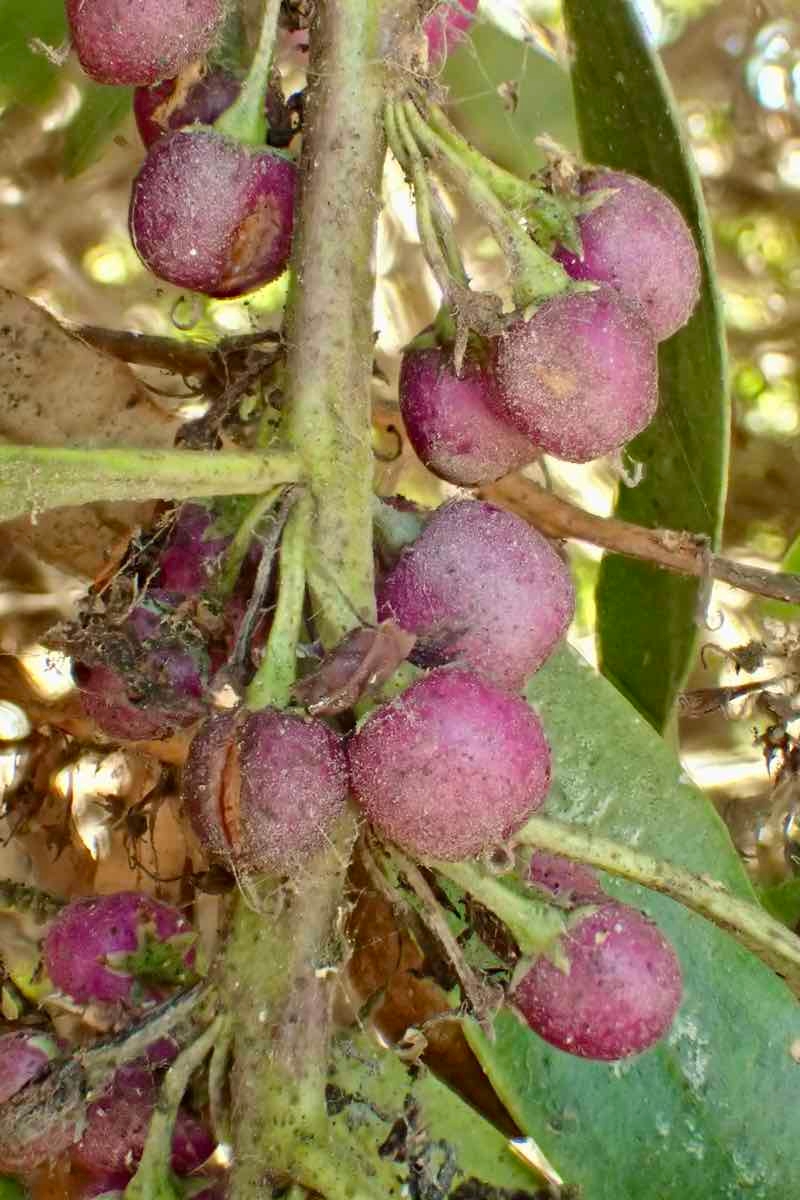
(735,68)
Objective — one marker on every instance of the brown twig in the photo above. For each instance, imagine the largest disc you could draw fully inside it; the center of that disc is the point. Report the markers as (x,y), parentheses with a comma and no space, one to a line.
(185,358)
(681,552)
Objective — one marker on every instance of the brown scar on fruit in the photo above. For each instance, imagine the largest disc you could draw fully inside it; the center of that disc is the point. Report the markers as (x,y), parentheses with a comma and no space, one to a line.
(184,83)
(230,785)
(362,662)
(259,228)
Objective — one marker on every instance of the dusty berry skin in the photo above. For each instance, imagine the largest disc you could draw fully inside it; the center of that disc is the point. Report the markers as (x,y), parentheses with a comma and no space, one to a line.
(447,26)
(210,214)
(138,43)
(117,1124)
(40,1122)
(92,928)
(450,768)
(455,432)
(188,563)
(24,1056)
(565,883)
(159,109)
(619,994)
(263,789)
(638,242)
(480,588)
(580,378)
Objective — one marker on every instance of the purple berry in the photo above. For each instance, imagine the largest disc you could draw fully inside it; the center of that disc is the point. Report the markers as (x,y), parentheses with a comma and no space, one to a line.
(450,768)
(638,241)
(210,214)
(188,562)
(121,42)
(612,989)
(263,789)
(453,428)
(565,883)
(117,1124)
(446,26)
(480,587)
(170,105)
(24,1056)
(111,1186)
(118,949)
(580,378)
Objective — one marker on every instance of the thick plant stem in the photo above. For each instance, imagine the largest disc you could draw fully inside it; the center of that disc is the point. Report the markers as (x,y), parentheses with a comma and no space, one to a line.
(246,119)
(330,334)
(36,478)
(748,922)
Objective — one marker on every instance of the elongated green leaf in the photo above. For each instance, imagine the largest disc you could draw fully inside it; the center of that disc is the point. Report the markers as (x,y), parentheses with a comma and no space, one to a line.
(27,75)
(102,110)
(702,1114)
(626,119)
(371,1093)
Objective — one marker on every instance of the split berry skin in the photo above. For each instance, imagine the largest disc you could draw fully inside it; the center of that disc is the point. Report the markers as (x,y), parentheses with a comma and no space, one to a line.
(89,947)
(480,588)
(638,242)
(447,26)
(451,768)
(117,1123)
(167,106)
(452,422)
(263,790)
(24,1057)
(612,989)
(580,377)
(210,214)
(143,42)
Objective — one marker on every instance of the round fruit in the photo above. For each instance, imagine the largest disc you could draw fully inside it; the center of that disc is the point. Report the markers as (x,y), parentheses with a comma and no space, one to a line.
(24,1056)
(122,948)
(118,1121)
(565,883)
(453,427)
(450,768)
(210,214)
(263,789)
(170,105)
(580,377)
(612,990)
(446,26)
(133,43)
(638,241)
(480,587)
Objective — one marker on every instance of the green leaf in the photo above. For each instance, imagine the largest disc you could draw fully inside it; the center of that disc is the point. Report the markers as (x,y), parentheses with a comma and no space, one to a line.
(782,901)
(102,110)
(11,1190)
(698,1116)
(27,76)
(627,119)
(370,1090)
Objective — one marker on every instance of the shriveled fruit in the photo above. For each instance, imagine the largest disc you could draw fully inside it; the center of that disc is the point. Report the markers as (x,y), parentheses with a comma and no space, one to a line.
(124,948)
(447,26)
(480,587)
(452,424)
(565,883)
(42,1120)
(211,214)
(580,377)
(638,242)
(188,562)
(117,1124)
(450,768)
(611,988)
(134,43)
(263,789)
(24,1056)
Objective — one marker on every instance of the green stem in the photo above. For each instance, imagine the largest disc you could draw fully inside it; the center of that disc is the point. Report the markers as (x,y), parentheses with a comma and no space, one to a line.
(237,551)
(277,671)
(153,1178)
(36,478)
(533,925)
(535,275)
(763,935)
(246,119)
